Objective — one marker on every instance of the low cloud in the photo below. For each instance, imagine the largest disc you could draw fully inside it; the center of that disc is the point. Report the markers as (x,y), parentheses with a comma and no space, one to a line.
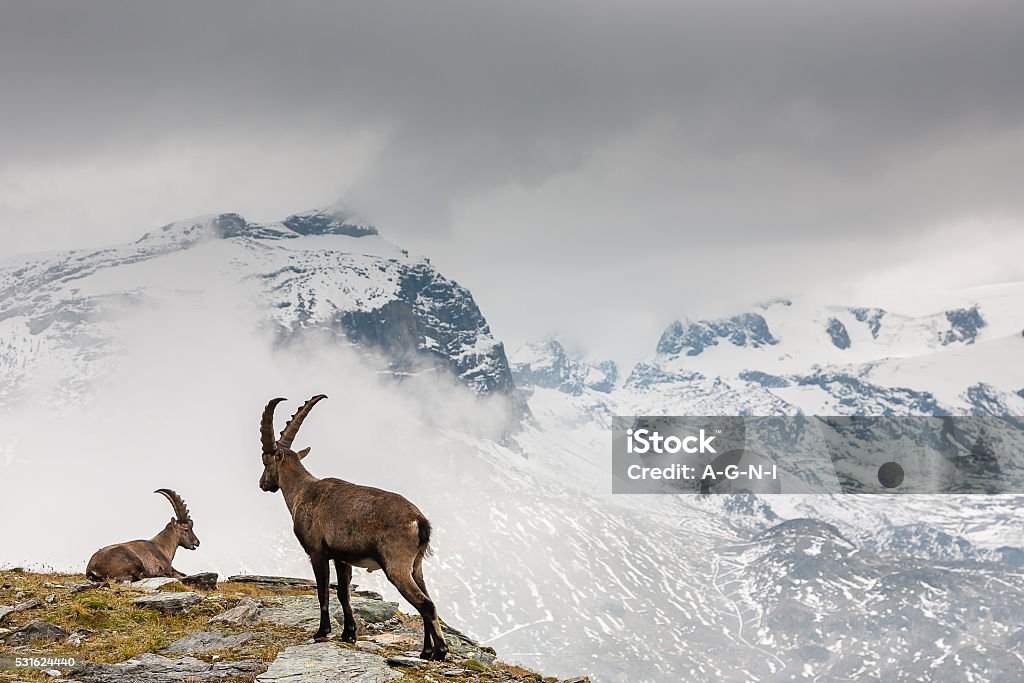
(181,408)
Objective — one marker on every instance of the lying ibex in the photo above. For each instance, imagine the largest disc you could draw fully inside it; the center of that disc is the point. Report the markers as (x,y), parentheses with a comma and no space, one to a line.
(353,526)
(136,560)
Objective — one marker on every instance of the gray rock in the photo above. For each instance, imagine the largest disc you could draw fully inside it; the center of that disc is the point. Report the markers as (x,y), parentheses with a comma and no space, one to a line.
(151,585)
(405,661)
(20,607)
(303,611)
(245,612)
(34,631)
(369,595)
(169,603)
(407,637)
(150,668)
(28,604)
(372,611)
(465,647)
(206,641)
(464,651)
(325,663)
(369,646)
(460,646)
(206,581)
(275,581)
(87,586)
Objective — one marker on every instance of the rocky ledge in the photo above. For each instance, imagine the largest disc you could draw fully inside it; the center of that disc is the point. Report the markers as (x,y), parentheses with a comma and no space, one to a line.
(243,630)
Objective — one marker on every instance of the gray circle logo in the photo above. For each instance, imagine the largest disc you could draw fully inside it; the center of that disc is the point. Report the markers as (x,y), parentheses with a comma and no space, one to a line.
(890,475)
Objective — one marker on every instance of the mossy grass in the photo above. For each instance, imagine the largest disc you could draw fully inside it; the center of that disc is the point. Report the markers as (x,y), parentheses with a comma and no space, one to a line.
(173,587)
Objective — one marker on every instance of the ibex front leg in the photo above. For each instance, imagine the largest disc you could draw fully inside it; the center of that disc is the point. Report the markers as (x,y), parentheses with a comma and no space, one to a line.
(322,572)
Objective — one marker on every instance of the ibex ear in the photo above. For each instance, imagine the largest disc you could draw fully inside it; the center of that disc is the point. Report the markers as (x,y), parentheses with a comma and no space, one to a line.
(303,453)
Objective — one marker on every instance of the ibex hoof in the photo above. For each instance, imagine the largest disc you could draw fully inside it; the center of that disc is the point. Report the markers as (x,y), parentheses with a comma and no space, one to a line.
(348,636)
(321,636)
(434,655)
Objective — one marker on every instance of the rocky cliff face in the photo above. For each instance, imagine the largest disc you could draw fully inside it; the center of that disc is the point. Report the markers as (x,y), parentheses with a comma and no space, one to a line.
(749,330)
(433,321)
(546,364)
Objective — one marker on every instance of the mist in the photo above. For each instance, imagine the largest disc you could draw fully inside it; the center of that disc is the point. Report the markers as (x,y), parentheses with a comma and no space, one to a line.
(180,409)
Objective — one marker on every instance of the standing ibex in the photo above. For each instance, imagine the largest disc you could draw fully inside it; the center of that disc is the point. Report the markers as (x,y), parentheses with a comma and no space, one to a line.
(353,526)
(136,560)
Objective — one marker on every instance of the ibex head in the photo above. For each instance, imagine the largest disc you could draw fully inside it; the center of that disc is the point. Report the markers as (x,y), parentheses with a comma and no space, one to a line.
(276,451)
(181,522)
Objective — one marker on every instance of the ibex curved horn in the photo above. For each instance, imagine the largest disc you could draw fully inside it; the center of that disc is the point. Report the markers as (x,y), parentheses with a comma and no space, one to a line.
(292,428)
(179,505)
(267,426)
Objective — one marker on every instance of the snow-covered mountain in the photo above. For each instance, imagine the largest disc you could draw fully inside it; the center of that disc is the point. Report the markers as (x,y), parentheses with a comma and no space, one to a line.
(533,553)
(546,364)
(790,357)
(851,586)
(320,272)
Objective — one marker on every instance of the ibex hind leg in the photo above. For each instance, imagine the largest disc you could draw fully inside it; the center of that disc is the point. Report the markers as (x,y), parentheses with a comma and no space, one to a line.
(403,580)
(322,572)
(428,642)
(438,645)
(344,569)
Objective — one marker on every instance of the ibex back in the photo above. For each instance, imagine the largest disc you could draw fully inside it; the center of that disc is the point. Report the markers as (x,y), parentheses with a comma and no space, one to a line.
(350,525)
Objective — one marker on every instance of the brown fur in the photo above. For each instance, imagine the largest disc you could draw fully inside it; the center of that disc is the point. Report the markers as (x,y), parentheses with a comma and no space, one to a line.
(348,524)
(143,559)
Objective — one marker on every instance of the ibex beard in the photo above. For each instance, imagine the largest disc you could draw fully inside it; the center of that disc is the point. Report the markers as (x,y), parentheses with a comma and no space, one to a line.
(350,525)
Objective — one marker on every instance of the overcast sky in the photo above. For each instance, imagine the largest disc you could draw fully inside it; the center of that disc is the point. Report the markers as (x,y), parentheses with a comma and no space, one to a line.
(588,169)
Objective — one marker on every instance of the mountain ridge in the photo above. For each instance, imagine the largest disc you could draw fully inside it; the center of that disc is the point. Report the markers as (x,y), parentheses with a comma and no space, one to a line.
(317,270)
(791,357)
